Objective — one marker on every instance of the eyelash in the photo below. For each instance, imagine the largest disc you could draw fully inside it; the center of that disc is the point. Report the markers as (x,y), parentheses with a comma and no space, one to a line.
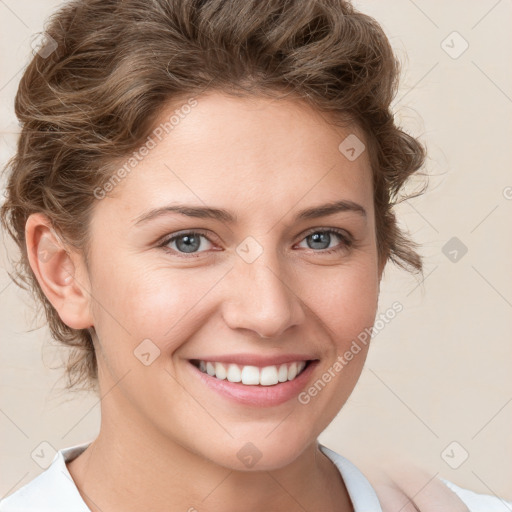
(346,242)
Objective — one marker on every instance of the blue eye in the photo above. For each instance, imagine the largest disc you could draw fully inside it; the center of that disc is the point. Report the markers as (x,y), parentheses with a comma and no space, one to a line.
(189,243)
(322,238)
(186,242)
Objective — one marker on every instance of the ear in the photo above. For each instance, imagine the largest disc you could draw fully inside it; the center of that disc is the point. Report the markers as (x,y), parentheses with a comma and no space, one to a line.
(60,271)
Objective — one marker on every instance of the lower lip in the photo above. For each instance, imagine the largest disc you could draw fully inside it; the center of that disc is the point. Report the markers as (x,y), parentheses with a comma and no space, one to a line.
(260,396)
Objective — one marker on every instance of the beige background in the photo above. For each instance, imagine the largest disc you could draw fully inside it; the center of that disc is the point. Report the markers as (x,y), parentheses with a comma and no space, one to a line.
(441,370)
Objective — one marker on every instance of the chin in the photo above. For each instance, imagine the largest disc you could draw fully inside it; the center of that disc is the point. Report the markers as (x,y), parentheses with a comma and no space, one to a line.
(261,452)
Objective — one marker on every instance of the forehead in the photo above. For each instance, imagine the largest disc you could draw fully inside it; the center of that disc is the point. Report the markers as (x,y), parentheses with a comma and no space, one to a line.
(252,153)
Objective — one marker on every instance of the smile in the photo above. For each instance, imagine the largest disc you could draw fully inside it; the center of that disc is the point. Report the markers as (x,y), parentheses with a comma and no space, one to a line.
(252,375)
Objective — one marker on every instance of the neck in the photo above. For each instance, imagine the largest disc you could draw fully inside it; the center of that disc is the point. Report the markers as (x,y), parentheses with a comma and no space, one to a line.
(133,465)
(132,470)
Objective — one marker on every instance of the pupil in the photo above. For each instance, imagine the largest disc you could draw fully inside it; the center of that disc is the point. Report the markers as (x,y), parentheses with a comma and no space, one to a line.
(321,238)
(190,245)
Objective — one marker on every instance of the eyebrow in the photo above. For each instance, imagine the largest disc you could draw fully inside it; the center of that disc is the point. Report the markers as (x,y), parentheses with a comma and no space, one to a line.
(228,217)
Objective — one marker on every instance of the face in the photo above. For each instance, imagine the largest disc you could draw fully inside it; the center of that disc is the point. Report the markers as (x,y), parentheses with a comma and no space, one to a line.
(260,288)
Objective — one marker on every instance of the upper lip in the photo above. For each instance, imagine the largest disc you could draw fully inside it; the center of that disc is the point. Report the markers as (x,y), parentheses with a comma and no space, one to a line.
(255,359)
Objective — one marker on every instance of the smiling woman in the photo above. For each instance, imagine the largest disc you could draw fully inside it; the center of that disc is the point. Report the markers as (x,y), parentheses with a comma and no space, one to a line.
(202,196)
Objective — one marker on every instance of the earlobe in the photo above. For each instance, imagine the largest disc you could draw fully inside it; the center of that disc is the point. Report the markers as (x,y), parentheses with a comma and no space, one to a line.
(59,271)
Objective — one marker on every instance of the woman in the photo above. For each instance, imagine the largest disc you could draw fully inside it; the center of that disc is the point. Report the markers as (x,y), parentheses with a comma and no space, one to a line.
(203,199)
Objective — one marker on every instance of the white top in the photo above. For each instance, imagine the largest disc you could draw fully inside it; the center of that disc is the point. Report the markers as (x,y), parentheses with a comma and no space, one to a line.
(55,491)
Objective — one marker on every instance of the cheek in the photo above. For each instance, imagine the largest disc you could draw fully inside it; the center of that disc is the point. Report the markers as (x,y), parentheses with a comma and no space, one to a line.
(345,305)
(142,321)
(345,301)
(159,304)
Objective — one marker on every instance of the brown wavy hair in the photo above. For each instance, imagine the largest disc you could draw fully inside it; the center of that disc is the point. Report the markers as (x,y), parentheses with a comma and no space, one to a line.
(93,93)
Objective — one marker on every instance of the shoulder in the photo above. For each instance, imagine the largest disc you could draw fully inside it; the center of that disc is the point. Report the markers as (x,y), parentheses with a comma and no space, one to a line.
(479,502)
(53,490)
(428,493)
(396,487)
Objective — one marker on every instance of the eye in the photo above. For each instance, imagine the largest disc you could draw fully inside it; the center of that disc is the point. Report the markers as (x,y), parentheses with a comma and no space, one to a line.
(188,242)
(321,239)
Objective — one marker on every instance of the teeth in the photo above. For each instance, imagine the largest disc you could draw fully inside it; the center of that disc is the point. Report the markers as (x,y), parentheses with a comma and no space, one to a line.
(269,376)
(210,369)
(292,371)
(220,371)
(252,375)
(234,374)
(282,375)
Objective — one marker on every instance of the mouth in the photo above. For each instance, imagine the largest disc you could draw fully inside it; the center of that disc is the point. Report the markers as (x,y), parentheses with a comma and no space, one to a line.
(266,385)
(249,375)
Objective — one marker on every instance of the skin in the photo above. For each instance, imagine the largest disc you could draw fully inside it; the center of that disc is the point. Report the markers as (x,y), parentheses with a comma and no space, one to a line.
(166,441)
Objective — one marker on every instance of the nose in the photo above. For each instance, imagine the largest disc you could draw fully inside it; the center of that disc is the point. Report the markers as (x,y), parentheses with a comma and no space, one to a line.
(261,299)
